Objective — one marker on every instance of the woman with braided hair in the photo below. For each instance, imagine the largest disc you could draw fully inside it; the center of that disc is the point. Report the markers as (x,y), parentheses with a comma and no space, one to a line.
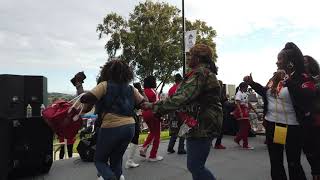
(199,98)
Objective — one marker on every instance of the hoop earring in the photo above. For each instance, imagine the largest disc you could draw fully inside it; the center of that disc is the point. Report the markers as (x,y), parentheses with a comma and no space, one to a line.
(290,65)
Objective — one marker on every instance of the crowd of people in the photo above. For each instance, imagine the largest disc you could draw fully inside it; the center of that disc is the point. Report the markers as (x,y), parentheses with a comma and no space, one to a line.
(195,107)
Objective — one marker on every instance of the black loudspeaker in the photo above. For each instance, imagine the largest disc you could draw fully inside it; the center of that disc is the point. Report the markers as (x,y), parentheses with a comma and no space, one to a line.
(12,96)
(31,150)
(35,93)
(5,129)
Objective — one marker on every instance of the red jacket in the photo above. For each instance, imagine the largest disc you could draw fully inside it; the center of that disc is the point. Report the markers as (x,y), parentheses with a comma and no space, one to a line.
(173,89)
(151,95)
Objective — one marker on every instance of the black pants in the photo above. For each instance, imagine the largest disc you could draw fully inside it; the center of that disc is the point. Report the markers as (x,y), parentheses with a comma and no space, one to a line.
(173,140)
(293,148)
(219,138)
(135,139)
(69,147)
(311,147)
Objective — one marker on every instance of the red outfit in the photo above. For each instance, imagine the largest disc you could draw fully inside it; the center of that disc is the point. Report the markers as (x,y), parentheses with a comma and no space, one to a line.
(153,124)
(244,127)
(242,115)
(244,111)
(69,141)
(173,89)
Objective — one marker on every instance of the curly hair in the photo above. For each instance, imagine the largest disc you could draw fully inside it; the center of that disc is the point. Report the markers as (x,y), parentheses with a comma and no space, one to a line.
(204,53)
(116,71)
(312,66)
(293,57)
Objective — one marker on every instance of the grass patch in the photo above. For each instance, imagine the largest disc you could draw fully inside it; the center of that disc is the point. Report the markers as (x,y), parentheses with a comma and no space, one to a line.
(163,136)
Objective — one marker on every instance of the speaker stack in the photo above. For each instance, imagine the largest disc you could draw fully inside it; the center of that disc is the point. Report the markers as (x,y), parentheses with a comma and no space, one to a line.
(29,140)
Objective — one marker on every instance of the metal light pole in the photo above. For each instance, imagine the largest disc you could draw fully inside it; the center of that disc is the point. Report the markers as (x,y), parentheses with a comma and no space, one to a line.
(183,41)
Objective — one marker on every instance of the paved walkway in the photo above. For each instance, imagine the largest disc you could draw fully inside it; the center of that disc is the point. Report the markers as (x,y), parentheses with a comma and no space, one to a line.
(230,164)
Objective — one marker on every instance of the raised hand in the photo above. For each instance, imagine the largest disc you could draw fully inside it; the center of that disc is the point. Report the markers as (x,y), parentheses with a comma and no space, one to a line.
(248,79)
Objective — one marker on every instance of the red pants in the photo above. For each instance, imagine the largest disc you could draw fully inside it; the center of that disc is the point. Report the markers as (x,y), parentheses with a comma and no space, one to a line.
(154,132)
(244,126)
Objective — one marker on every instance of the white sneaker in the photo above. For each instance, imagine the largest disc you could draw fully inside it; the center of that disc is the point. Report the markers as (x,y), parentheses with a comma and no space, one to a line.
(100,178)
(131,164)
(122,177)
(248,148)
(158,158)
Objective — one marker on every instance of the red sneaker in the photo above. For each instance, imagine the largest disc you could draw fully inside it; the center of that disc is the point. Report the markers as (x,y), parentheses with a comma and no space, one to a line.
(220,146)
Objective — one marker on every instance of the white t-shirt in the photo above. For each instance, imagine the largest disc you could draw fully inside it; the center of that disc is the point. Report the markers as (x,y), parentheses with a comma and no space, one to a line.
(242,97)
(276,112)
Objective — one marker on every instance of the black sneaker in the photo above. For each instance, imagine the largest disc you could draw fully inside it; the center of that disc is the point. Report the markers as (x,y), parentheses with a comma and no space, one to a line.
(170,151)
(182,152)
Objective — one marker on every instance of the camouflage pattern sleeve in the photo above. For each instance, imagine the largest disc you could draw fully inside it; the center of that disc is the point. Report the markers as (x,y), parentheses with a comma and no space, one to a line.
(188,91)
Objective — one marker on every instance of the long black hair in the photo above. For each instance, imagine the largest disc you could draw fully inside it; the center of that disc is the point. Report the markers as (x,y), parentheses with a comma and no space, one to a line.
(293,58)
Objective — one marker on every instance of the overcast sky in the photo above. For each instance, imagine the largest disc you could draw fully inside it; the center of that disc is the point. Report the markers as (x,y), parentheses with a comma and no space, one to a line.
(57,38)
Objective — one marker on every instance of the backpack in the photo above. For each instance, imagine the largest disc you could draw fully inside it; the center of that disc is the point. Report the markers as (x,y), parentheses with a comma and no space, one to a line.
(87,148)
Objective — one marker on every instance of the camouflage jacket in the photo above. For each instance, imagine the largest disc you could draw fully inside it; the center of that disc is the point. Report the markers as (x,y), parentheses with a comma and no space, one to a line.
(199,96)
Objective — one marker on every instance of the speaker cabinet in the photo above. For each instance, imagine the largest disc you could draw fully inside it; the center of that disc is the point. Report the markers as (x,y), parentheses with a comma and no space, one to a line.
(31,150)
(6,141)
(12,96)
(35,93)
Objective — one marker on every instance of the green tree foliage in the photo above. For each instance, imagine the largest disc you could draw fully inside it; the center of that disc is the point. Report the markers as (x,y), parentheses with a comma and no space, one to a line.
(151,39)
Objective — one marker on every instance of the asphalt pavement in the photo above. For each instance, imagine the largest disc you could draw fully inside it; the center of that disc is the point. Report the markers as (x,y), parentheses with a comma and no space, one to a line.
(232,163)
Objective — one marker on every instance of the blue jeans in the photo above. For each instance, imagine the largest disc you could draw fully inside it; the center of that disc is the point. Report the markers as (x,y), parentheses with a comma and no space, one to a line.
(197,153)
(111,145)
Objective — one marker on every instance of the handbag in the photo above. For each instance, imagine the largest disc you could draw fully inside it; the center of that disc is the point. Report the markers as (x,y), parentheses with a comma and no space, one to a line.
(188,123)
(63,117)
(280,132)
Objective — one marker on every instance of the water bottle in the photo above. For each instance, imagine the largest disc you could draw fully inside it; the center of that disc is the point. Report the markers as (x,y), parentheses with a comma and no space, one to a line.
(42,107)
(29,111)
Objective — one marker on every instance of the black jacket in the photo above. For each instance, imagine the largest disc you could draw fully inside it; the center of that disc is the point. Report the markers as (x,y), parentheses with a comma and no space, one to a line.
(301,96)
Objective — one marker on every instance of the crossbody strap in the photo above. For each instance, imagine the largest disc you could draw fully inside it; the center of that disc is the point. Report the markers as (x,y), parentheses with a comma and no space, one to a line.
(284,110)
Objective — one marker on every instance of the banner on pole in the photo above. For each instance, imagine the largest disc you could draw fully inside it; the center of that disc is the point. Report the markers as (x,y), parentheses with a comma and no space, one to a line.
(190,39)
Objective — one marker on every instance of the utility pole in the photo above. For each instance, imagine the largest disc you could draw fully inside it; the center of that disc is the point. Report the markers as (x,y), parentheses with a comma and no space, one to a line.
(183,41)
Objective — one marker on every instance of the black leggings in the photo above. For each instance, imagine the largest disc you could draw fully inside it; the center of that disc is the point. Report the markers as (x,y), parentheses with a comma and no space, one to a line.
(311,147)
(293,148)
(135,139)
(69,147)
